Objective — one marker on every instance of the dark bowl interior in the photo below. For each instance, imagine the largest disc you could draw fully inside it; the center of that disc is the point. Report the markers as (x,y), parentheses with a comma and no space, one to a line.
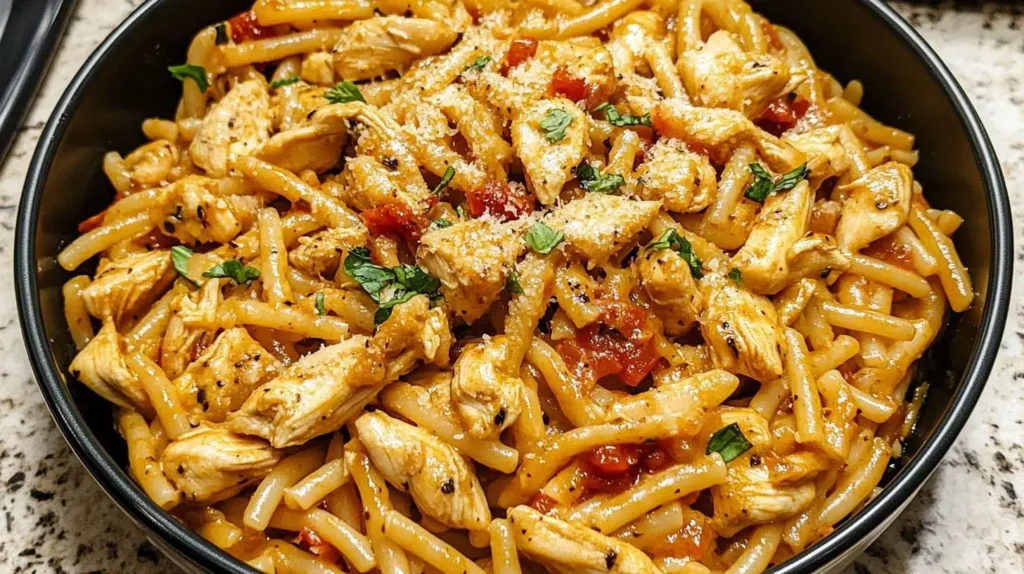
(126,81)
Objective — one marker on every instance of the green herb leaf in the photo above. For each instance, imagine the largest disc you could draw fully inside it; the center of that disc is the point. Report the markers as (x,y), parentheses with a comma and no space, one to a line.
(222,33)
(765,185)
(460,210)
(318,302)
(479,64)
(440,223)
(592,180)
(371,277)
(180,256)
(612,116)
(672,240)
(344,92)
(389,287)
(278,84)
(233,270)
(543,239)
(736,275)
(512,283)
(196,73)
(555,123)
(728,442)
(414,278)
(449,174)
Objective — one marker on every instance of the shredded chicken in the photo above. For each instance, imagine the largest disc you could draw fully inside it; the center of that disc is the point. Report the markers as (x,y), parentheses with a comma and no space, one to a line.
(208,464)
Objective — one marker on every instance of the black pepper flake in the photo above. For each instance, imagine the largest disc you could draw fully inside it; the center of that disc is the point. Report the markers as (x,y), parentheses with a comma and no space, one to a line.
(448,487)
(826,272)
(390,163)
(168,227)
(499,419)
(610,558)
(755,460)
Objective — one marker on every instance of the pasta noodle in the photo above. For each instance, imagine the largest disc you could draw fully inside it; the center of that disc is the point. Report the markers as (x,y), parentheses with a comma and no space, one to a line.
(466,286)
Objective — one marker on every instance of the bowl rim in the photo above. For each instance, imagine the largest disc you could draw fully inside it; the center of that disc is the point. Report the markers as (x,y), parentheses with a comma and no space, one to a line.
(191,547)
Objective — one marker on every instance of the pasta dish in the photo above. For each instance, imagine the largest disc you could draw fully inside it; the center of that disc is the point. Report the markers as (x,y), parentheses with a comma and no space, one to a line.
(518,286)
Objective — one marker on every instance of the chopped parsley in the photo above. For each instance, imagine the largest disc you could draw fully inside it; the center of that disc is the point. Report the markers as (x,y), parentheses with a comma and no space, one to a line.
(389,287)
(479,64)
(592,180)
(460,210)
(555,124)
(612,116)
(672,240)
(180,256)
(512,283)
(195,73)
(222,33)
(728,442)
(765,185)
(234,270)
(343,93)
(440,223)
(318,302)
(736,275)
(543,239)
(277,84)
(449,174)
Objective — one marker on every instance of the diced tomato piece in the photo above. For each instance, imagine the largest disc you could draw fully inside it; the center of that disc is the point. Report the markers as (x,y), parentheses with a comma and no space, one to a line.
(614,468)
(569,86)
(782,114)
(614,459)
(543,503)
(395,219)
(500,200)
(310,540)
(246,27)
(890,250)
(627,318)
(691,541)
(617,344)
(92,222)
(519,52)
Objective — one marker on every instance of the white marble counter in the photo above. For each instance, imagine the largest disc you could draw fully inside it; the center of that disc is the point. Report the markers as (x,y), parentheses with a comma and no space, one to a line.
(968,518)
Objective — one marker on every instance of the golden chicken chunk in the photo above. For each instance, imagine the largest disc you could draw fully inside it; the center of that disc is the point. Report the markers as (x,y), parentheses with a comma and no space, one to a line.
(199,213)
(598,225)
(816,255)
(570,548)
(826,156)
(236,126)
(550,138)
(315,145)
(151,164)
(472,259)
(320,254)
(220,380)
(742,329)
(124,289)
(372,48)
(414,332)
(749,497)
(102,368)
(668,282)
(692,395)
(683,181)
(764,258)
(485,394)
(182,342)
(874,206)
(208,465)
(440,481)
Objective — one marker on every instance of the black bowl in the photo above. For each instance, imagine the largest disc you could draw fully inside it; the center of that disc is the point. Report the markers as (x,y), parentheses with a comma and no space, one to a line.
(126,81)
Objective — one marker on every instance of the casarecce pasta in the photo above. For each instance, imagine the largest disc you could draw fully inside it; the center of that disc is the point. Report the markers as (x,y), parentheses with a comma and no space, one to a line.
(468,286)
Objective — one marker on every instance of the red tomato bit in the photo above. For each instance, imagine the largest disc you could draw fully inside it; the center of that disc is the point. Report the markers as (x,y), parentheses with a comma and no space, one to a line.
(245,27)
(782,114)
(543,503)
(500,200)
(614,468)
(569,86)
(691,541)
(394,219)
(617,344)
(310,540)
(519,52)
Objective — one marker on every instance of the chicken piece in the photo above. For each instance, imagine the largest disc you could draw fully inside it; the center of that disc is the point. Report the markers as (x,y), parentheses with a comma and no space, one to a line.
(763,260)
(568,548)
(668,281)
(798,467)
(550,155)
(748,497)
(208,465)
(630,39)
(874,206)
(315,146)
(200,214)
(720,132)
(691,396)
(598,225)
(297,110)
(441,482)
(816,255)
(151,165)
(236,126)
(684,182)
(485,394)
(472,260)
(191,329)
(755,428)
(826,156)
(101,367)
(481,129)
(371,48)
(320,254)
(318,68)
(742,329)
(414,332)
(220,380)
(124,289)
(722,75)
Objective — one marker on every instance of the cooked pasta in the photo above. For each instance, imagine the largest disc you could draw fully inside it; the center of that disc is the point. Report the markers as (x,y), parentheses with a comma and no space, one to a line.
(602,286)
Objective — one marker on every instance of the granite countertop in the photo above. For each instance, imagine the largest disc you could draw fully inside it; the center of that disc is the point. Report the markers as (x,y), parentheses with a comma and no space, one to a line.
(967,518)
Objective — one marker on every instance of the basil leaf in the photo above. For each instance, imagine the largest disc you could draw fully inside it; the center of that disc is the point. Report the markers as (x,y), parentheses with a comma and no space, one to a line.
(728,442)
(343,93)
(449,174)
(319,304)
(765,185)
(277,84)
(543,239)
(195,73)
(389,287)
(672,240)
(479,64)
(512,283)
(736,275)
(440,224)
(415,278)
(612,116)
(460,210)
(789,180)
(555,123)
(180,256)
(222,33)
(233,270)
(592,180)
(373,278)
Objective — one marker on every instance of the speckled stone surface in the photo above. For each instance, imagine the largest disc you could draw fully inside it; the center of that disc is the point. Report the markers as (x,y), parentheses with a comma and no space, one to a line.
(968,517)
